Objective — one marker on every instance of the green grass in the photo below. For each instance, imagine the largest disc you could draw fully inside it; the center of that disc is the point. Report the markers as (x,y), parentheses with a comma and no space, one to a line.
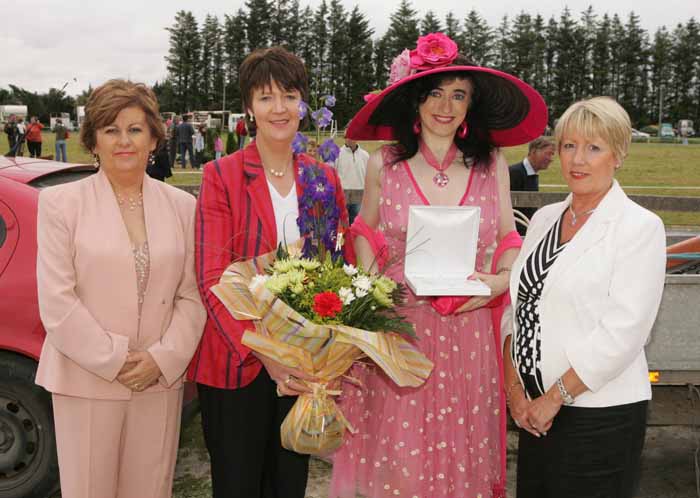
(659,165)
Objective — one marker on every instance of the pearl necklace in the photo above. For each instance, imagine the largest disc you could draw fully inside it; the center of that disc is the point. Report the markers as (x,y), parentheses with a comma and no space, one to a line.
(574,216)
(131,202)
(276,173)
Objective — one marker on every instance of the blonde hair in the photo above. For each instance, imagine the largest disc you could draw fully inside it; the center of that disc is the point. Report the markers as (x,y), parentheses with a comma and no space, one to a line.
(598,117)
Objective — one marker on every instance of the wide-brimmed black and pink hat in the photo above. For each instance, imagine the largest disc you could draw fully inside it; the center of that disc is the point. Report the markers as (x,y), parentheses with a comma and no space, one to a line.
(515,113)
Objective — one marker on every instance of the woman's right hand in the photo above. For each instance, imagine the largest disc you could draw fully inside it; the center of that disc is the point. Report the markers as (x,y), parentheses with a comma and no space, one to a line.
(518,406)
(288,379)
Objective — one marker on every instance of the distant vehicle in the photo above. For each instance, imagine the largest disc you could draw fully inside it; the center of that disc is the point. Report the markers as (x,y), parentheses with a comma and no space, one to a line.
(685,128)
(639,134)
(65,121)
(666,131)
(6,111)
(79,116)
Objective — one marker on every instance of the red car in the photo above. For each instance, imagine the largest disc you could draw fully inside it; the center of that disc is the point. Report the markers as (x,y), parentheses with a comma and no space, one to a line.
(28,463)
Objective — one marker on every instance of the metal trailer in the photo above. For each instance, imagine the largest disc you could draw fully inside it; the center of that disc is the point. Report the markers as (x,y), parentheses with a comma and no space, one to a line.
(673,350)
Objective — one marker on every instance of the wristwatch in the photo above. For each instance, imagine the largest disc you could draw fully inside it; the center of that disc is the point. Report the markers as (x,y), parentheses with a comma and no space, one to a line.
(567,398)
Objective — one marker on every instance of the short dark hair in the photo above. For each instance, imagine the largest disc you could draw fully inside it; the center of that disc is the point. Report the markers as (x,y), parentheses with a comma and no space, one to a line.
(476,147)
(108,100)
(539,144)
(265,65)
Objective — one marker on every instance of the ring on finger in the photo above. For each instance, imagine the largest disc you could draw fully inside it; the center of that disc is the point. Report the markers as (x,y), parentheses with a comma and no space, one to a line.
(287,380)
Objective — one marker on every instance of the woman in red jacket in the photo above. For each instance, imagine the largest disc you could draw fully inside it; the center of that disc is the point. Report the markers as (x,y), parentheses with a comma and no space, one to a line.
(248,203)
(33,137)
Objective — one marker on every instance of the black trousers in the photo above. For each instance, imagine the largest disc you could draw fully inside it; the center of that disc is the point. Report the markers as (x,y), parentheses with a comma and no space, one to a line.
(34,148)
(588,453)
(242,434)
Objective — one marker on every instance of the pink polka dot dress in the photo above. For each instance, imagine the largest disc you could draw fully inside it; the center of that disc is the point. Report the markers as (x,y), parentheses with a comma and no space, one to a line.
(441,439)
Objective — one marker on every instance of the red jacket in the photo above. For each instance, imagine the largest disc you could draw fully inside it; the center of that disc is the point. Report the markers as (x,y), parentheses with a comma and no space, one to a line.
(235,221)
(241,130)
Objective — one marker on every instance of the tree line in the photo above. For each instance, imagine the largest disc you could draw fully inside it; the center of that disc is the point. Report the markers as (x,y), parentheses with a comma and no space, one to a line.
(566,57)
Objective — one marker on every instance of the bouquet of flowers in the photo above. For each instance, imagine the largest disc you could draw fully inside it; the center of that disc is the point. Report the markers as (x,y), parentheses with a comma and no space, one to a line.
(313,311)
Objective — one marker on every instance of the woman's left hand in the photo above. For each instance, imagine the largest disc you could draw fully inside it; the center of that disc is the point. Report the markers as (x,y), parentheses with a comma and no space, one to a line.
(143,375)
(542,411)
(498,283)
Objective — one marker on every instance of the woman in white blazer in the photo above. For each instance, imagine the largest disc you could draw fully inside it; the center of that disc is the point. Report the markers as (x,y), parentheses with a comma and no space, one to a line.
(586,288)
(119,301)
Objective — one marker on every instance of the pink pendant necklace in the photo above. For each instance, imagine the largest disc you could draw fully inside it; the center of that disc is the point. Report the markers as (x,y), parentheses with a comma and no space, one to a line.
(440,179)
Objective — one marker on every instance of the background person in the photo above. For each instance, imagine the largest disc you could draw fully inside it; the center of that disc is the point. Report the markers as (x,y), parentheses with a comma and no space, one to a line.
(241,132)
(158,166)
(33,137)
(524,176)
(352,168)
(172,140)
(199,145)
(185,132)
(587,286)
(61,137)
(21,135)
(118,299)
(218,145)
(248,204)
(12,133)
(444,438)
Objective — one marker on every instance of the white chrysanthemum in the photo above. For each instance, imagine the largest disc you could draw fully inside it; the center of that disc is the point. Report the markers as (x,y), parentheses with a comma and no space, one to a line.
(362,282)
(350,270)
(257,280)
(309,264)
(361,293)
(346,295)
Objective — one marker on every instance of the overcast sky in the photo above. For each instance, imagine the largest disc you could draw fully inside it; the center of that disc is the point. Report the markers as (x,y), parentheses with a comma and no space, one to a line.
(47,43)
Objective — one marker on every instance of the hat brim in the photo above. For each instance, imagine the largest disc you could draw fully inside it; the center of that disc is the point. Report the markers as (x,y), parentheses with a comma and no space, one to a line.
(516,112)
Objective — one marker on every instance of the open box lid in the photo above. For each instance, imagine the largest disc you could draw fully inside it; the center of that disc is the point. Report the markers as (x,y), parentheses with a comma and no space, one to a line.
(441,244)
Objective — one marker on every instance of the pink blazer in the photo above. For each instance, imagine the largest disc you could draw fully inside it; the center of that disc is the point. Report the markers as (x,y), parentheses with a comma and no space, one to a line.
(87,288)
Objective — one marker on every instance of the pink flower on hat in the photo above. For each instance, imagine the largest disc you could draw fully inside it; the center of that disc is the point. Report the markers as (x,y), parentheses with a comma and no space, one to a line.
(401,67)
(433,50)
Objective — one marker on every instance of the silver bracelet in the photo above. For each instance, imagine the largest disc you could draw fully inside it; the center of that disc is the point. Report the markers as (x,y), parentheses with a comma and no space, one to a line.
(567,398)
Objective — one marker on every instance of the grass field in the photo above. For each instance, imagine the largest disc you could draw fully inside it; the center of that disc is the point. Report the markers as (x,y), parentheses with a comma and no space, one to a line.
(662,169)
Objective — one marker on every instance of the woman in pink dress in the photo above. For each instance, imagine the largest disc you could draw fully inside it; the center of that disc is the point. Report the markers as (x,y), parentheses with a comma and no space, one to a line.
(447,116)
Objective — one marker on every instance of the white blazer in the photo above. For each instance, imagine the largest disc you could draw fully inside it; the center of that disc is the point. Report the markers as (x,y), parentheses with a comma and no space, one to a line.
(600,298)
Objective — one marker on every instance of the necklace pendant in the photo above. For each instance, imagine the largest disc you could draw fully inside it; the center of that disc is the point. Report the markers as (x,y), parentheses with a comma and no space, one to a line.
(441,179)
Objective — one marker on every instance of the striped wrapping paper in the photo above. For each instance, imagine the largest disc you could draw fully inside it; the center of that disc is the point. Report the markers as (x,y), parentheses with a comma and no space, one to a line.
(315,424)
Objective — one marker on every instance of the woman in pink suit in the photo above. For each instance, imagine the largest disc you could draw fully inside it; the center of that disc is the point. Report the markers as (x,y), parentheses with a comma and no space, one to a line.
(119,301)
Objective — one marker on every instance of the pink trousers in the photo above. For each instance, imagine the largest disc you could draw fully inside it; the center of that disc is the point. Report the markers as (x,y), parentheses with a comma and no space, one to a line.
(117,449)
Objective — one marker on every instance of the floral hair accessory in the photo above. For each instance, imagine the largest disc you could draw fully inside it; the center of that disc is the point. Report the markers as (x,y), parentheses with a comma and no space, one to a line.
(400,67)
(433,50)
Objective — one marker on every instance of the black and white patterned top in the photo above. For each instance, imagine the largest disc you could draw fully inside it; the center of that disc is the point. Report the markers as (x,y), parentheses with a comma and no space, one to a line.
(525,347)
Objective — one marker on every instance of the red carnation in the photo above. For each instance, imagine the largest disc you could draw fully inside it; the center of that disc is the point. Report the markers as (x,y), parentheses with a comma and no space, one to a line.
(327,304)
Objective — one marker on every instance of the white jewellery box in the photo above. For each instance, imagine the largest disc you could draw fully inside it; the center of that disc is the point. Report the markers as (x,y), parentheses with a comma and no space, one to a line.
(441,251)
